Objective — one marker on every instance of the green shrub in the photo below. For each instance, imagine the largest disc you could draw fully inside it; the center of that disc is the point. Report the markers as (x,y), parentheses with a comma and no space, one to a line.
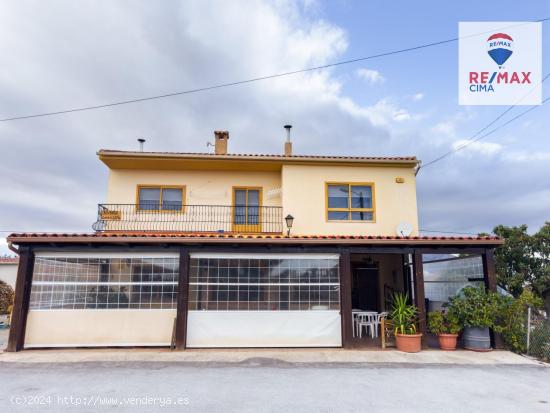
(476,307)
(6,297)
(512,319)
(447,322)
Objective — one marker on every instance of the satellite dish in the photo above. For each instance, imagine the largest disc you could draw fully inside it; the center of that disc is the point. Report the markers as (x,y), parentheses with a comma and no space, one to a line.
(404,229)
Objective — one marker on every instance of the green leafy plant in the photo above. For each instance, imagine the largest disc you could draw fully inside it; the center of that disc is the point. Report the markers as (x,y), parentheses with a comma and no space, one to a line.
(447,322)
(403,315)
(512,319)
(476,307)
(6,297)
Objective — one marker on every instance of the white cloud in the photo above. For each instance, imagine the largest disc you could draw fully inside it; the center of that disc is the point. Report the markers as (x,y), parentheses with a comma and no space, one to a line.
(418,96)
(108,52)
(484,148)
(524,156)
(370,75)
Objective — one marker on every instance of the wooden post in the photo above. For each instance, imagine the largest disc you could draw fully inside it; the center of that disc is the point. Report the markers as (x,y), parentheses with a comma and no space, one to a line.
(182,306)
(23,284)
(420,301)
(345,299)
(489,272)
(490,277)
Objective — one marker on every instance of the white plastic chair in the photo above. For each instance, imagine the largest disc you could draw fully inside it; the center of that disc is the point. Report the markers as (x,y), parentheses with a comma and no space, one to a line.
(367,321)
(378,320)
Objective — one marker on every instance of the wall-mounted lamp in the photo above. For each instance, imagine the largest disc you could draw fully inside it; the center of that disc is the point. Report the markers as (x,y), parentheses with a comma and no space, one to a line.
(289,219)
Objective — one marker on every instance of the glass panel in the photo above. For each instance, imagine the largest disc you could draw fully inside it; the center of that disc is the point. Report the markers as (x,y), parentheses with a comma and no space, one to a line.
(338,215)
(362,216)
(445,275)
(239,212)
(338,196)
(91,283)
(265,284)
(253,197)
(240,197)
(172,199)
(253,207)
(149,198)
(361,196)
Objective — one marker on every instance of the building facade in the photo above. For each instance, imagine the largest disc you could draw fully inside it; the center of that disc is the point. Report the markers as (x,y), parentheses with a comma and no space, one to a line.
(222,250)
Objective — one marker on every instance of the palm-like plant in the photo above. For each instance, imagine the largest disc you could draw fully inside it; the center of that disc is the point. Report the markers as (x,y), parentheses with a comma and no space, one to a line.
(403,315)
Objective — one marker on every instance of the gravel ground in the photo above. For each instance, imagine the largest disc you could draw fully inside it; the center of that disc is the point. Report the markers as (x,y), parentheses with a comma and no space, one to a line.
(267,385)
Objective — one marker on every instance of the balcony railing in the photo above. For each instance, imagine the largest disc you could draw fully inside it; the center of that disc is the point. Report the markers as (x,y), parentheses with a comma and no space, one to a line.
(189,218)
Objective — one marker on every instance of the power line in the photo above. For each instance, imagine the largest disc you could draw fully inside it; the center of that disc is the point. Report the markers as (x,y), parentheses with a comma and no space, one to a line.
(470,141)
(448,232)
(473,139)
(256,79)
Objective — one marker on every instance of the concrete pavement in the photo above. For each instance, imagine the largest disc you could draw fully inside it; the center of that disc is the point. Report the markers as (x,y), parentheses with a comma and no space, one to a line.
(267,385)
(426,357)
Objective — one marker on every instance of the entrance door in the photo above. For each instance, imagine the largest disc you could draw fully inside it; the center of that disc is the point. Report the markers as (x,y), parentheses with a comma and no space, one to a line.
(247,215)
(365,289)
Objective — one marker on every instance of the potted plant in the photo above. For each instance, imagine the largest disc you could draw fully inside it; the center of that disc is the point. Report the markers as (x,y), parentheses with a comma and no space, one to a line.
(446,325)
(404,318)
(477,310)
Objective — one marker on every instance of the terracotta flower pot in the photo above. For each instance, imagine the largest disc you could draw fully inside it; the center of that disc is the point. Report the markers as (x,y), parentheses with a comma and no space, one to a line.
(447,341)
(409,343)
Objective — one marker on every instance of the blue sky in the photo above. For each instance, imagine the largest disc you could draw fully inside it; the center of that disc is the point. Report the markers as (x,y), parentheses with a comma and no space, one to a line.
(64,54)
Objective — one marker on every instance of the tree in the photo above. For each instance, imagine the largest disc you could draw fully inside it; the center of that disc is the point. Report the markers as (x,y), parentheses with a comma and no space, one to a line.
(523,260)
(542,283)
(514,261)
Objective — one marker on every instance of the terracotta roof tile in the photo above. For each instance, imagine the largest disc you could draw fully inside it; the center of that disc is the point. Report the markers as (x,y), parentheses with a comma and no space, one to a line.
(229,236)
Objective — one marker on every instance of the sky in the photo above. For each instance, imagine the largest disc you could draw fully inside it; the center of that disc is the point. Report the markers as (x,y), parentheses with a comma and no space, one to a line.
(62,54)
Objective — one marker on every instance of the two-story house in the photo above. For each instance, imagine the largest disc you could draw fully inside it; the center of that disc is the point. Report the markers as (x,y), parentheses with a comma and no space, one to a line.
(225,250)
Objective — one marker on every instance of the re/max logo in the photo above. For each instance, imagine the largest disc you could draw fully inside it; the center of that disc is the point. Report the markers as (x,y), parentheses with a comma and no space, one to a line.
(502,77)
(483,81)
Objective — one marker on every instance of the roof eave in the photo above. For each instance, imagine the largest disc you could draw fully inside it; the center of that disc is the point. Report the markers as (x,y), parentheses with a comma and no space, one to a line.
(244,239)
(407,161)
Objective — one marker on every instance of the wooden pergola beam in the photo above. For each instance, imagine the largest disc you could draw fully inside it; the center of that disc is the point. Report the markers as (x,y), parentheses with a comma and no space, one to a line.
(16,339)
(490,278)
(345,298)
(182,300)
(419,295)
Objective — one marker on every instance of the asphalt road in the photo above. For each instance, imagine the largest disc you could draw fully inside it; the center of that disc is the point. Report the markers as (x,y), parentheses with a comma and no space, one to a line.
(260,385)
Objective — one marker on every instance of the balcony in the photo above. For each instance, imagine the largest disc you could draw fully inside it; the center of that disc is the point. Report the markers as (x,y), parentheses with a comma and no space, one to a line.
(189,218)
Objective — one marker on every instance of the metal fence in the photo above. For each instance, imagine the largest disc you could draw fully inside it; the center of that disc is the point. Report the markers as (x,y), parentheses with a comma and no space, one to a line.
(538,336)
(189,218)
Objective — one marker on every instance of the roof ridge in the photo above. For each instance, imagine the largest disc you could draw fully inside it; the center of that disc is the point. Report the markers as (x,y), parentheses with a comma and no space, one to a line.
(261,155)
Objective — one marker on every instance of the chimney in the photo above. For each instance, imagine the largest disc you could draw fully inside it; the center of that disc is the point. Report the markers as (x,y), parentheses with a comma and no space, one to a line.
(220,146)
(141,142)
(288,143)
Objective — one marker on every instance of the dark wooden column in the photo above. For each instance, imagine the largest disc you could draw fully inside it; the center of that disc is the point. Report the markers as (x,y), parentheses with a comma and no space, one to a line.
(183,292)
(345,298)
(489,272)
(419,296)
(490,278)
(16,338)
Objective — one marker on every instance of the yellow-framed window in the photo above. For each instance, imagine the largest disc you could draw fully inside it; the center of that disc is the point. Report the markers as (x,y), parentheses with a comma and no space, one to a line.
(350,201)
(161,197)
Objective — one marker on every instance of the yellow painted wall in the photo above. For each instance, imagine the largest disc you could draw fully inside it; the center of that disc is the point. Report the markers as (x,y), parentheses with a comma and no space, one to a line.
(304,198)
(8,274)
(72,328)
(303,194)
(202,187)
